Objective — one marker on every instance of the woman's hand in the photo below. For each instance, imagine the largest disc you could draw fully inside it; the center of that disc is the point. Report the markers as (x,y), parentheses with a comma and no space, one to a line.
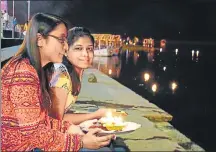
(102,112)
(74,129)
(91,141)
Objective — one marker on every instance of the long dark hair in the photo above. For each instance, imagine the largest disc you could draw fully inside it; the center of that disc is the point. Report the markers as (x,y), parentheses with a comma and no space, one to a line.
(43,24)
(73,35)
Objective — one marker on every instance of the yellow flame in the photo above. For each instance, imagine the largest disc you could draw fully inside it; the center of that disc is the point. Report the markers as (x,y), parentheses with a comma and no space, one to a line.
(146,76)
(109,114)
(174,85)
(154,87)
(110,71)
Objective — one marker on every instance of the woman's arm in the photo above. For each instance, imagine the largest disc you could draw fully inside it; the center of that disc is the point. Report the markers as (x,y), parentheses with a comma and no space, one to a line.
(60,87)
(77,118)
(58,101)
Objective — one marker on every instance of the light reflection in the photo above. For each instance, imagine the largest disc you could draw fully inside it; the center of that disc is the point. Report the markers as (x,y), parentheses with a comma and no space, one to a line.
(146,76)
(176,51)
(192,52)
(154,87)
(161,49)
(135,57)
(141,84)
(150,56)
(127,56)
(108,65)
(197,53)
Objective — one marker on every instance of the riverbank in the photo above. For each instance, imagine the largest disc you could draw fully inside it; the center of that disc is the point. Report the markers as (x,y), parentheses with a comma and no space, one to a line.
(153,135)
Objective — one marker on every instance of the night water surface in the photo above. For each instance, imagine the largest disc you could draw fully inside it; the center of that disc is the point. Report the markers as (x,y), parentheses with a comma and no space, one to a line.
(191,67)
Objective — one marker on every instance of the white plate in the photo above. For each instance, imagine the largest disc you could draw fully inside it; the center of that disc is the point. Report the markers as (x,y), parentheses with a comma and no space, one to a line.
(129,127)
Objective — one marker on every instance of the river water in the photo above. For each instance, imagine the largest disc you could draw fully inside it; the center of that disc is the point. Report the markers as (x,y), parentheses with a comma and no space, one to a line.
(190,66)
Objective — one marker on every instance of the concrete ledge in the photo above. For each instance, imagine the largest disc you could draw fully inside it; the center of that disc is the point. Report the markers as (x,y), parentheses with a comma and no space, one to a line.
(8,52)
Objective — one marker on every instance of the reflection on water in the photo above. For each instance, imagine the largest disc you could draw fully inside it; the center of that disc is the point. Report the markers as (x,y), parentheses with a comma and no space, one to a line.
(135,57)
(176,51)
(108,65)
(174,81)
(150,56)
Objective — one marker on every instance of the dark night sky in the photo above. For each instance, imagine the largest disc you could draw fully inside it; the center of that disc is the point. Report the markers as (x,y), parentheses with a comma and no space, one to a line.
(195,19)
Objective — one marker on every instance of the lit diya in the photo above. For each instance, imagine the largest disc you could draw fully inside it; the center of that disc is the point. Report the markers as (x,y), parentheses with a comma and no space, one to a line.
(112,121)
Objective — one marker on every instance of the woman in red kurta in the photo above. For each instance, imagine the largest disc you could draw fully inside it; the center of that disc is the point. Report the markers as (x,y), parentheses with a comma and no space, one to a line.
(25,122)
(24,125)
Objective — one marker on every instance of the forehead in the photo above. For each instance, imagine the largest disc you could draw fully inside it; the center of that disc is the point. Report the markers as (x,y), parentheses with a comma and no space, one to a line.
(60,30)
(85,40)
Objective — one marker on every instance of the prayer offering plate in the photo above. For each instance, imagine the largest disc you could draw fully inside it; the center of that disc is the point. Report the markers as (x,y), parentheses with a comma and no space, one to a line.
(127,128)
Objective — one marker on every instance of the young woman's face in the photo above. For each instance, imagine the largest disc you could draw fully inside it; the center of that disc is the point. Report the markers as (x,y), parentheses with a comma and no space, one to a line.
(81,53)
(55,45)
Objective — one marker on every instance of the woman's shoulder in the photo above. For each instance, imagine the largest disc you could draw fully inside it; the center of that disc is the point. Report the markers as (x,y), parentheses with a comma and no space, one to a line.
(60,76)
(60,67)
(60,71)
(19,67)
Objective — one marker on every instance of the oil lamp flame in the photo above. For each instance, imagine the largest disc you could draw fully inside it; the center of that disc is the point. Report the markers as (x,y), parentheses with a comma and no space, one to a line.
(110,71)
(154,87)
(174,86)
(146,76)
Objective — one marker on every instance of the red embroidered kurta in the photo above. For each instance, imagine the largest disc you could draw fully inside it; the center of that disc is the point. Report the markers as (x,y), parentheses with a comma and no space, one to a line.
(25,125)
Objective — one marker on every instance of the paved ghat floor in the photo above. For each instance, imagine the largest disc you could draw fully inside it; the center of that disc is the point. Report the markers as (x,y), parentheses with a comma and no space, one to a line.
(152,136)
